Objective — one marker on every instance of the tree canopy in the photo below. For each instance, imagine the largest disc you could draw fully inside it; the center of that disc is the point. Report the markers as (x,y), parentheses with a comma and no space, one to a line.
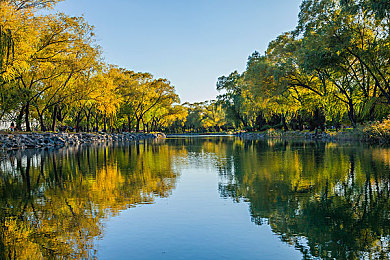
(331,70)
(53,75)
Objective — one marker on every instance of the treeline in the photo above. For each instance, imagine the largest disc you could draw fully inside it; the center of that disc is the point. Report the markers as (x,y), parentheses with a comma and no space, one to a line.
(332,70)
(52,76)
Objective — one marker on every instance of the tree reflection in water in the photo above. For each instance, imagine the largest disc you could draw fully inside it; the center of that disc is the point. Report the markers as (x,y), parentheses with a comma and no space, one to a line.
(327,200)
(53,204)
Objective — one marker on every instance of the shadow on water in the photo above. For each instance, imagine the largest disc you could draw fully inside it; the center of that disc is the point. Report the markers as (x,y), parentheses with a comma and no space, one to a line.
(53,204)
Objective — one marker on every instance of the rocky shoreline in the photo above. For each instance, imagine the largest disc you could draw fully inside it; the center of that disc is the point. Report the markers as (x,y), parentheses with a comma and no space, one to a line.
(49,140)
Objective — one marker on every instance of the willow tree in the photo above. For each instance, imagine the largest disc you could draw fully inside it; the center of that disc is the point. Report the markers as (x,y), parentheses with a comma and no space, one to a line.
(232,99)
(17,37)
(60,52)
(354,40)
(127,84)
(150,94)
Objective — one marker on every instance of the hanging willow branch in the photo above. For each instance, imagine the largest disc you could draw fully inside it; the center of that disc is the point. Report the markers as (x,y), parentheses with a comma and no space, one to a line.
(6,47)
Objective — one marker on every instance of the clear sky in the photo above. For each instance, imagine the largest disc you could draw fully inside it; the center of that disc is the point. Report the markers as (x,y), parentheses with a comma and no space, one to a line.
(189,42)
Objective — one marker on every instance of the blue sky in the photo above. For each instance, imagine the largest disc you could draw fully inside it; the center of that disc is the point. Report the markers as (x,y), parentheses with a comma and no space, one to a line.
(189,42)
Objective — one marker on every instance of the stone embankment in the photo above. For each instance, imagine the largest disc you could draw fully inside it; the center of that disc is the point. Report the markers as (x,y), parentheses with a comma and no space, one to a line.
(43,140)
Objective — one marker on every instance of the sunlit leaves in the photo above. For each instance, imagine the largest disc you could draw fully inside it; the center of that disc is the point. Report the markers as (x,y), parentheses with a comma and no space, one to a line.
(334,63)
(52,72)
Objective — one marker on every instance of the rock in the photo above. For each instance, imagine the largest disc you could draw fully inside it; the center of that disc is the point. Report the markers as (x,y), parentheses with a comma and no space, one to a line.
(46,140)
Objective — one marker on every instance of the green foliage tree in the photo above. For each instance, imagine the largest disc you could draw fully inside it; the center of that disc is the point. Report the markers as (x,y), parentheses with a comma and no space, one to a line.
(331,70)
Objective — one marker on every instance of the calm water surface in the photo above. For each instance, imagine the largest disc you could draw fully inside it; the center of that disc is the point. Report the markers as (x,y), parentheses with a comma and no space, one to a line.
(197,198)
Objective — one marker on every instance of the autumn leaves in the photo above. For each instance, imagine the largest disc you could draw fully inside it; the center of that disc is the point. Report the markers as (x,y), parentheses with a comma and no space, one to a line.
(53,73)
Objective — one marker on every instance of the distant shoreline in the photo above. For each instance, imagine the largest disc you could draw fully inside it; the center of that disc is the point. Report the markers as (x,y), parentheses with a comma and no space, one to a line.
(348,135)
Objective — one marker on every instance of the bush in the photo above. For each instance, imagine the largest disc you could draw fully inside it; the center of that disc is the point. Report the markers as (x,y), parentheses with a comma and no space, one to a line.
(378,131)
(274,133)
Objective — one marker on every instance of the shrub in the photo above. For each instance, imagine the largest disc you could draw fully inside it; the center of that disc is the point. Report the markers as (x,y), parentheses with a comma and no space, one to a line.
(378,131)
(273,133)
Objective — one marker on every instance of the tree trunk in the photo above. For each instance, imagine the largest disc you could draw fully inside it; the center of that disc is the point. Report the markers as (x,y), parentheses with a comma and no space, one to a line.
(88,116)
(78,124)
(20,119)
(97,122)
(54,117)
(285,127)
(144,126)
(41,122)
(129,121)
(79,118)
(351,113)
(104,124)
(137,126)
(300,123)
(372,112)
(27,119)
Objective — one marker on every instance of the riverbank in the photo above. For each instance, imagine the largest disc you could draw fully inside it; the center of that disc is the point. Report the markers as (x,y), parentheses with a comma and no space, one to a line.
(373,133)
(340,136)
(14,141)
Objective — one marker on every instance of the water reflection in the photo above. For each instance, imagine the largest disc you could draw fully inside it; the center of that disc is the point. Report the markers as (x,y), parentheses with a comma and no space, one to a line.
(327,200)
(53,203)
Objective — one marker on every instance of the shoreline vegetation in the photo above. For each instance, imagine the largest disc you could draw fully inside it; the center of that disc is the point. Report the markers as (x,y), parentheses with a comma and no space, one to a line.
(43,140)
(340,136)
(329,72)
(375,133)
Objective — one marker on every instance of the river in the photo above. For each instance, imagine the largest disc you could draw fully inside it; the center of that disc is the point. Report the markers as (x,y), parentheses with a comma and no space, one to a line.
(211,197)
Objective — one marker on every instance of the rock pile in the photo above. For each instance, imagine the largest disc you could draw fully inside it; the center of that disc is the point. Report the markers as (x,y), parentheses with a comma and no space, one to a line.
(41,140)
